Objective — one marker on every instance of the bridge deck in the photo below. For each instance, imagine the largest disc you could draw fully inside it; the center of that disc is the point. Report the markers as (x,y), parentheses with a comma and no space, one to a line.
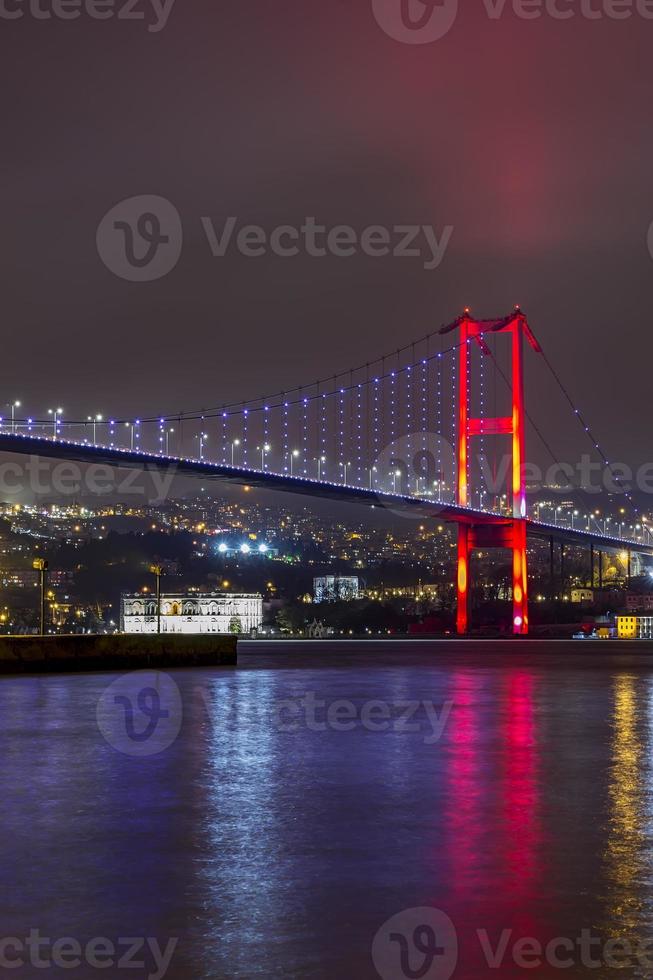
(419,506)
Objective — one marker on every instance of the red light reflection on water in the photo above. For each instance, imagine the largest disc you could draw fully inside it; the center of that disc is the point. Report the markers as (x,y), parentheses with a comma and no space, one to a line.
(493,831)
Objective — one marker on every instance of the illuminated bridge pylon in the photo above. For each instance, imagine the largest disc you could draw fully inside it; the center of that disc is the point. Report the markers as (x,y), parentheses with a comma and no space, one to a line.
(510,533)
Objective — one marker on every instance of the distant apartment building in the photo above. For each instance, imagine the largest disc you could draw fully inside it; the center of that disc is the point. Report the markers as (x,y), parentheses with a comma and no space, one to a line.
(335,588)
(635,627)
(212,612)
(636,602)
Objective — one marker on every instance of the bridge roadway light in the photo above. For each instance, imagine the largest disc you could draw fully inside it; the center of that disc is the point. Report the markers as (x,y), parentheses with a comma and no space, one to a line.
(14,406)
(55,413)
(130,426)
(265,448)
(236,442)
(293,456)
(373,470)
(94,419)
(203,437)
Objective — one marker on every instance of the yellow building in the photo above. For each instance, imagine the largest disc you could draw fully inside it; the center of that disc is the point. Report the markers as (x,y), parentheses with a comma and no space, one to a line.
(635,627)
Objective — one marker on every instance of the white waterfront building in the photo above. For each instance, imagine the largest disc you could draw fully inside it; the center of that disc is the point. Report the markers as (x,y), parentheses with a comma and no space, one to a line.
(211,612)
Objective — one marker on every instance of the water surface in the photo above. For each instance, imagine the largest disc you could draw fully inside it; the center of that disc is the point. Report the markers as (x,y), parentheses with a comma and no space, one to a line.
(275,835)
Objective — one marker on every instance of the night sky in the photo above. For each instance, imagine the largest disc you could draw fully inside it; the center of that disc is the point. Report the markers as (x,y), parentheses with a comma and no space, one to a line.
(532,138)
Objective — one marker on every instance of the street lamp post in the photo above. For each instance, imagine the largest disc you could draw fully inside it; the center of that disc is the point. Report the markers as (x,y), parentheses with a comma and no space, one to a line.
(41,566)
(265,448)
(293,456)
(55,413)
(203,437)
(344,466)
(95,419)
(14,406)
(320,461)
(372,471)
(157,570)
(235,442)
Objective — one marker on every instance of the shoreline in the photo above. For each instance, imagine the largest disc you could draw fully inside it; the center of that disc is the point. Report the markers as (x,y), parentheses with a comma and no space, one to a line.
(85,653)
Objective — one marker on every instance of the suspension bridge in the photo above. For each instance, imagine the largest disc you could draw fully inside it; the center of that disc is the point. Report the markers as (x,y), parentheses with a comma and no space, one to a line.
(417,431)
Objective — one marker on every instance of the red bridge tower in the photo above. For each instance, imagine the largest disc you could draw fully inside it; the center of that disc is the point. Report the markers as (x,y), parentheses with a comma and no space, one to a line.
(495,532)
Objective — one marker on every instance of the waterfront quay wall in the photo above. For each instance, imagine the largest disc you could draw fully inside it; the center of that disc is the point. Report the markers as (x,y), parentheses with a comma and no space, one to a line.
(116,651)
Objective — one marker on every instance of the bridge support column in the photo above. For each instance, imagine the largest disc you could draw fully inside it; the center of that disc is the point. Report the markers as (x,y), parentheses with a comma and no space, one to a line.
(513,532)
(462,616)
(519,580)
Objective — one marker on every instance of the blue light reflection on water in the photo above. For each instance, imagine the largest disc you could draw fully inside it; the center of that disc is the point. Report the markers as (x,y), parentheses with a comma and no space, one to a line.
(280,853)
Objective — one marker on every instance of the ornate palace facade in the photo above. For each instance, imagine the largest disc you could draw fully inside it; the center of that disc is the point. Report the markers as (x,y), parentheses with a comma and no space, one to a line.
(213,612)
